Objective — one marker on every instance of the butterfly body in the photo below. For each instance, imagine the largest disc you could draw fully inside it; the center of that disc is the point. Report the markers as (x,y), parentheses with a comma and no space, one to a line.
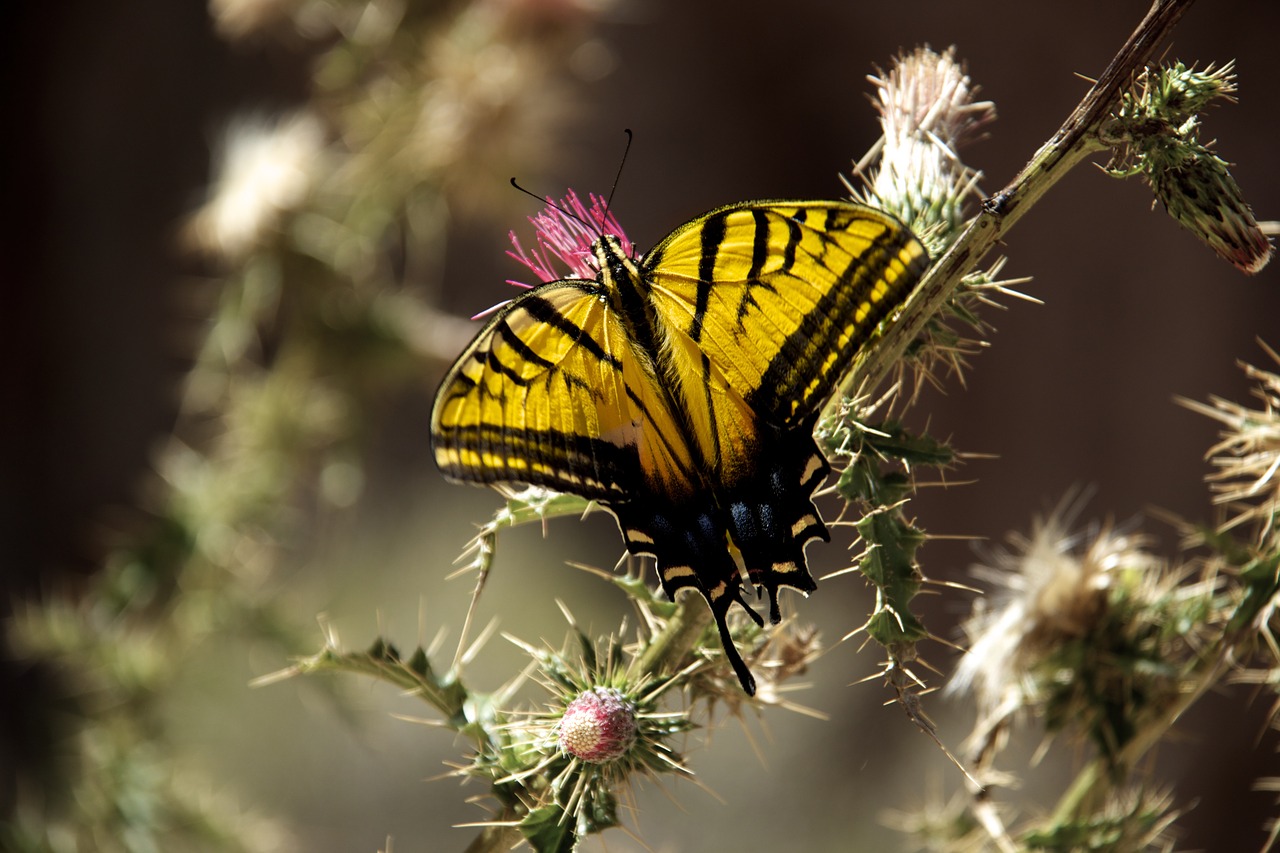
(680,390)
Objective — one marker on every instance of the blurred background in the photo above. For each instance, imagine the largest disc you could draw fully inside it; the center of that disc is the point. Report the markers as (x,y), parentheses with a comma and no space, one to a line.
(118,266)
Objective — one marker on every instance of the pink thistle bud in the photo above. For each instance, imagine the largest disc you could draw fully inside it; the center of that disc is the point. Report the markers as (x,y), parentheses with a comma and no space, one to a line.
(565,233)
(598,726)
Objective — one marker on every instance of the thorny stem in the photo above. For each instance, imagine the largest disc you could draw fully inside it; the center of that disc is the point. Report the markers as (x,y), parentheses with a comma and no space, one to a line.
(681,632)
(1076,140)
(1084,793)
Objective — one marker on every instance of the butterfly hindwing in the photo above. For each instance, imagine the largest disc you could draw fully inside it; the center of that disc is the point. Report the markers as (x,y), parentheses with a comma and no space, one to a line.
(771,515)
(687,539)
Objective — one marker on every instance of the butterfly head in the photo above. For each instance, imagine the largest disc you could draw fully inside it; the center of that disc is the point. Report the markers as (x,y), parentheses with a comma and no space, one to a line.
(611,254)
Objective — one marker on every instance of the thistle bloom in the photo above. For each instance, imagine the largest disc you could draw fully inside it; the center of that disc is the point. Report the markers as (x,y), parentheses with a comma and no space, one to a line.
(598,726)
(603,729)
(1247,459)
(565,234)
(927,111)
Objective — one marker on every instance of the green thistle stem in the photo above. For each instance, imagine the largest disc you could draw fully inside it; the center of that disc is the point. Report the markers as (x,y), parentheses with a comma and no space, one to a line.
(679,636)
(1092,786)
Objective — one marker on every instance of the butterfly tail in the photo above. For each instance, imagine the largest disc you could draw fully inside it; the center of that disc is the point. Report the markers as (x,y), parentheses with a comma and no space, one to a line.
(720,609)
(689,545)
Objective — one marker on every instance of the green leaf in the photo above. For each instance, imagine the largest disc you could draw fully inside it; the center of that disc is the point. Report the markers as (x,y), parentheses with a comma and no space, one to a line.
(548,831)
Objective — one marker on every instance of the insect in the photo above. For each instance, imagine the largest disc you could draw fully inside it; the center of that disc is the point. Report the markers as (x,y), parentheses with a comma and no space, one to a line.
(680,389)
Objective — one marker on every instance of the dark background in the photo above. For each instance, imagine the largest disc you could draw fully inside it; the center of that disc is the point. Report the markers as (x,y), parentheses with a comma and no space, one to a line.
(114,107)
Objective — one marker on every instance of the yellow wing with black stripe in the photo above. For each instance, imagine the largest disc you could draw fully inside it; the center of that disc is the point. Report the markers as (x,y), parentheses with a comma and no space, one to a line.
(681,391)
(781,294)
(553,392)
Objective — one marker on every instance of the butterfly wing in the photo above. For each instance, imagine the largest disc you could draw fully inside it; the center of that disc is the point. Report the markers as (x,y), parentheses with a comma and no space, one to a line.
(552,393)
(555,392)
(780,295)
(766,304)
(682,392)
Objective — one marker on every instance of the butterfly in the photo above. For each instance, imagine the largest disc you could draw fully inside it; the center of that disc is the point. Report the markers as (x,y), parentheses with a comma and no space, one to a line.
(680,389)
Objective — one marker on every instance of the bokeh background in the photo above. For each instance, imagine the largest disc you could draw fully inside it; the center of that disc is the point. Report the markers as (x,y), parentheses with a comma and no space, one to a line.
(115,111)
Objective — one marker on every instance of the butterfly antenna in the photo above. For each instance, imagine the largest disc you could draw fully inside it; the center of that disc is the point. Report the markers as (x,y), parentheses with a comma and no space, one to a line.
(608,205)
(597,227)
(541,199)
(549,202)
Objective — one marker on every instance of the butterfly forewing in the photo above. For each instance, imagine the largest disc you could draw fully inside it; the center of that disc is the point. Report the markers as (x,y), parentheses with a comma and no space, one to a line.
(551,393)
(780,295)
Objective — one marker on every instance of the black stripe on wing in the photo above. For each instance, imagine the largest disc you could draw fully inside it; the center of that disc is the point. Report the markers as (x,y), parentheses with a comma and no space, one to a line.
(590,467)
(798,378)
(541,309)
(711,237)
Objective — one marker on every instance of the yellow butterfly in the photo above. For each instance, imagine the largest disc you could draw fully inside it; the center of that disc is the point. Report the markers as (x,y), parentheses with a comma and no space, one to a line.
(680,389)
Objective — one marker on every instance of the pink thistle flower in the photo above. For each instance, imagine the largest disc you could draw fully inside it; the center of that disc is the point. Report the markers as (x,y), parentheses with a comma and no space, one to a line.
(566,233)
(598,726)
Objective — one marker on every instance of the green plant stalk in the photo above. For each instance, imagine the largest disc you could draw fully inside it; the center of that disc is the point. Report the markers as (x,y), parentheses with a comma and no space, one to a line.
(679,636)
(1092,783)
(451,699)
(1075,141)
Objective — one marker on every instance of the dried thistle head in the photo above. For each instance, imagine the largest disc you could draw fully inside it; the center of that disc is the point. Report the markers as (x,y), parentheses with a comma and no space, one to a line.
(1246,485)
(939,825)
(266,169)
(927,111)
(240,19)
(777,655)
(1089,631)
(1246,482)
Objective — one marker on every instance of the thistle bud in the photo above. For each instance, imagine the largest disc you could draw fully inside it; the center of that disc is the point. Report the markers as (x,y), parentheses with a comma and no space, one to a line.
(598,726)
